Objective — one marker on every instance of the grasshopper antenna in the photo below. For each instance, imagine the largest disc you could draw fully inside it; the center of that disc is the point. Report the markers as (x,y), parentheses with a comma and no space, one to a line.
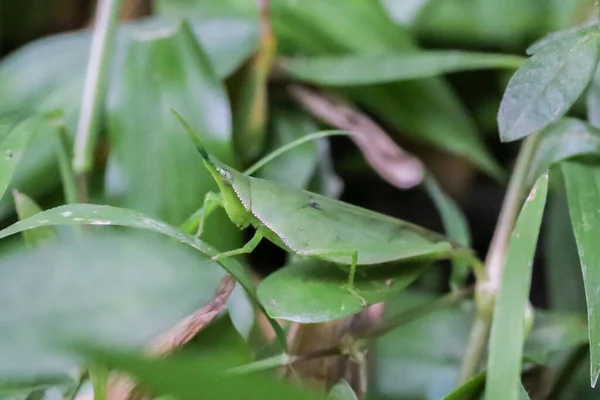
(192,135)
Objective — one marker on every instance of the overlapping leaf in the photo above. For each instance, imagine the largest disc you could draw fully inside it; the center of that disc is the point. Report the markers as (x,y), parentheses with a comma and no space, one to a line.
(47,74)
(548,84)
(153,168)
(115,291)
(324,292)
(426,110)
(567,138)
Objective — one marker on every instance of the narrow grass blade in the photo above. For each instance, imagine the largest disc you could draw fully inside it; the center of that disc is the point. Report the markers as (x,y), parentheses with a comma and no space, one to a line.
(368,69)
(509,325)
(455,225)
(582,184)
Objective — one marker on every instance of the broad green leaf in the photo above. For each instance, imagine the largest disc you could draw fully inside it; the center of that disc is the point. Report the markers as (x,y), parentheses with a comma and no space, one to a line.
(434,345)
(101,215)
(220,336)
(455,225)
(548,84)
(324,292)
(552,38)
(118,291)
(187,378)
(342,391)
(427,110)
(27,207)
(47,74)
(508,328)
(296,167)
(12,147)
(404,12)
(582,184)
(165,177)
(523,395)
(367,69)
(569,137)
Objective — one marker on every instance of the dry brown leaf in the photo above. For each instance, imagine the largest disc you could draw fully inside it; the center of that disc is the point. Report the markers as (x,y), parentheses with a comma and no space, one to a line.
(121,387)
(395,165)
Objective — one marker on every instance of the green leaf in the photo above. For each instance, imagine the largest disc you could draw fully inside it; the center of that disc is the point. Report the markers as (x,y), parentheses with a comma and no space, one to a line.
(27,207)
(523,395)
(565,290)
(167,180)
(548,84)
(366,69)
(434,345)
(188,378)
(404,12)
(101,215)
(551,38)
(116,291)
(582,184)
(323,290)
(29,83)
(427,110)
(342,391)
(455,225)
(12,147)
(508,329)
(567,138)
(297,166)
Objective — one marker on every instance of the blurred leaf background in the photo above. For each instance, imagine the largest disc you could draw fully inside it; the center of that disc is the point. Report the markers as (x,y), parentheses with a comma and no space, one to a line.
(212,75)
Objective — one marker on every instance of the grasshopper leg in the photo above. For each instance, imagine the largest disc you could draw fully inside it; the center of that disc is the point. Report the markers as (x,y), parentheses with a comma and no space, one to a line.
(247,248)
(353,254)
(211,201)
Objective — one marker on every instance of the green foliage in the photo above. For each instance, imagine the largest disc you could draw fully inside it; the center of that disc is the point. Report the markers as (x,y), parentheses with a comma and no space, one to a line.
(96,266)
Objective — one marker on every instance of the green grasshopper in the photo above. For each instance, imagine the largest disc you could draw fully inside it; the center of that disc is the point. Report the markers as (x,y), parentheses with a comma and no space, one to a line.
(312,225)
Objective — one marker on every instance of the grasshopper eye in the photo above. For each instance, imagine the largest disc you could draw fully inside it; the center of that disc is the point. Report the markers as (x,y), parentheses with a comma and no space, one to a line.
(227,178)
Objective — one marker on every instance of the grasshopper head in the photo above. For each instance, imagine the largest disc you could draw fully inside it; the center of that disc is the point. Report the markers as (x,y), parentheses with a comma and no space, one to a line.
(235,209)
(224,177)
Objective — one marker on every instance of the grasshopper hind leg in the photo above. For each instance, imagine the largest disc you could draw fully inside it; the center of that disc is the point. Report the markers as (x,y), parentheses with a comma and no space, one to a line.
(353,254)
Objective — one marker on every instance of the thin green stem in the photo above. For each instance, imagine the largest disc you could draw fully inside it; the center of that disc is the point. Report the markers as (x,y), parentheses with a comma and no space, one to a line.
(94,91)
(73,393)
(475,348)
(488,287)
(67,175)
(271,156)
(411,315)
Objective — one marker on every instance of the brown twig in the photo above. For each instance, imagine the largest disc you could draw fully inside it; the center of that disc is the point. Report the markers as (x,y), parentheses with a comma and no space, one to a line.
(395,165)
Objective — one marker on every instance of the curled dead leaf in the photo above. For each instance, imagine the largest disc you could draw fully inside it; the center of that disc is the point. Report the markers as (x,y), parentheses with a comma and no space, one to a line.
(395,165)
(120,387)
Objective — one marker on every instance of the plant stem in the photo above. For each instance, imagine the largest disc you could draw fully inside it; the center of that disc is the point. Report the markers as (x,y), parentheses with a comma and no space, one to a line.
(412,314)
(68,178)
(94,91)
(488,287)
